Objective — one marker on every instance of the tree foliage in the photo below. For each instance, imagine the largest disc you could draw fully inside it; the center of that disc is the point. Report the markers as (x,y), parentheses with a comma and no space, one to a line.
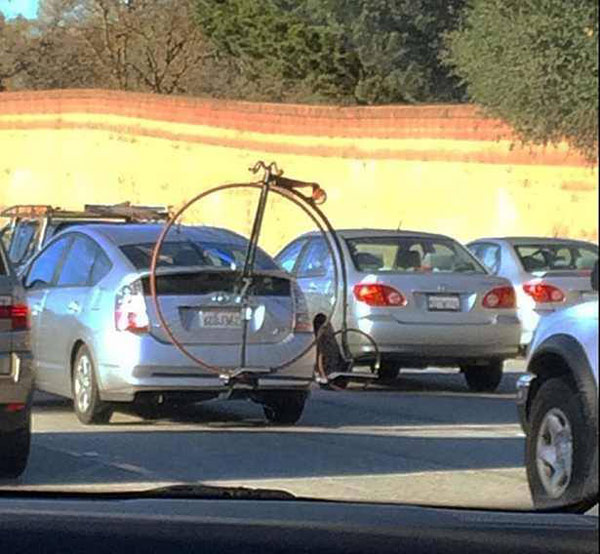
(365,51)
(14,50)
(533,63)
(145,45)
(276,51)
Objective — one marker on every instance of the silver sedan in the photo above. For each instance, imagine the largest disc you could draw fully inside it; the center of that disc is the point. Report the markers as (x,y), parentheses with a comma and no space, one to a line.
(548,273)
(423,298)
(97,337)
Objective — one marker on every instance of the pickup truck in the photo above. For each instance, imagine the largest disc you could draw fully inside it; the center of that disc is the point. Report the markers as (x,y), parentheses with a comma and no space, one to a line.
(558,407)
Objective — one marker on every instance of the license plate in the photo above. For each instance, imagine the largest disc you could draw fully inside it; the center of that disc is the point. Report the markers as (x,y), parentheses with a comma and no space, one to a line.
(220,319)
(587,296)
(443,303)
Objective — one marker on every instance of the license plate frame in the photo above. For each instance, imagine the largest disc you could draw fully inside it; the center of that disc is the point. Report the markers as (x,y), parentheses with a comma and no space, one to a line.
(220,319)
(443,302)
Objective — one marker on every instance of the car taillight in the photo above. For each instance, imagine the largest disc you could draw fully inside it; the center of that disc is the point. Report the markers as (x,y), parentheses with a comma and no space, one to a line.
(500,298)
(543,292)
(17,313)
(376,294)
(130,309)
(302,322)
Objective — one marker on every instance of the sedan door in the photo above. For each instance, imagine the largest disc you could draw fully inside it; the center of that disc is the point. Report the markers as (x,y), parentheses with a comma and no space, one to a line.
(315,277)
(67,309)
(39,279)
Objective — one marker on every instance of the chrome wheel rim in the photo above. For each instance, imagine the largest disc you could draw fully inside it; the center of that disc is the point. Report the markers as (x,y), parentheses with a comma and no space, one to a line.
(83,384)
(554,453)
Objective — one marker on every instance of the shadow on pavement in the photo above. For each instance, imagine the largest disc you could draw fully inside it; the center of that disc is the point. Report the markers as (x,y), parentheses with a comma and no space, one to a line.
(112,456)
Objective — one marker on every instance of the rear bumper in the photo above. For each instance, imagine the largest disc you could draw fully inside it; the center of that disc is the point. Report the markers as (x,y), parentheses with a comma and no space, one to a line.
(445,344)
(17,384)
(149,366)
(16,389)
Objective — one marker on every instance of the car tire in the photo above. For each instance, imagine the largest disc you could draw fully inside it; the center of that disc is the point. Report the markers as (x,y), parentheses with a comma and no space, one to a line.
(558,424)
(89,408)
(284,408)
(388,371)
(14,452)
(483,378)
(329,359)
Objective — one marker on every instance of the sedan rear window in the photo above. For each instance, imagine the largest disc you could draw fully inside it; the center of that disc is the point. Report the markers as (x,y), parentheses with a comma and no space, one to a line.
(544,257)
(411,254)
(194,254)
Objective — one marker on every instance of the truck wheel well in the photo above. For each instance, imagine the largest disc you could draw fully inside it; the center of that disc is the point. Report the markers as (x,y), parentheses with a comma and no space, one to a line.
(548,366)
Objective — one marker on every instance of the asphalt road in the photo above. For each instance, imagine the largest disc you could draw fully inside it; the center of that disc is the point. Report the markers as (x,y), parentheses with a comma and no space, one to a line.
(424,440)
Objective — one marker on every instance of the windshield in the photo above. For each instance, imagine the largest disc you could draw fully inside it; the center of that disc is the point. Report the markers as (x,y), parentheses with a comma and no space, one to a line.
(317,324)
(544,257)
(411,254)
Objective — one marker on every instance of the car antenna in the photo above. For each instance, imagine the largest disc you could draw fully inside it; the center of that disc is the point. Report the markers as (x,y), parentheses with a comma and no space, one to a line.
(399,225)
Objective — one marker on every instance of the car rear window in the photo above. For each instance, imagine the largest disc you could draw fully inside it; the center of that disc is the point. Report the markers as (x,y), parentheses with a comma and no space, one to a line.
(194,254)
(411,254)
(544,257)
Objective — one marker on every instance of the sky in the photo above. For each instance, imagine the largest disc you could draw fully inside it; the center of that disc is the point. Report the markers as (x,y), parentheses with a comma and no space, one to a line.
(13,8)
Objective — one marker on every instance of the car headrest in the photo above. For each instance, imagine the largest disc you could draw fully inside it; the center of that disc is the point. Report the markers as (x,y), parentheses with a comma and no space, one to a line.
(585,263)
(408,259)
(366,260)
(442,262)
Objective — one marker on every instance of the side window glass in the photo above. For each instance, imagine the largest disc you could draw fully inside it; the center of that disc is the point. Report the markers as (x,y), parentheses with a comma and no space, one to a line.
(100,268)
(6,236)
(42,270)
(475,249)
(78,264)
(317,261)
(490,256)
(23,241)
(288,258)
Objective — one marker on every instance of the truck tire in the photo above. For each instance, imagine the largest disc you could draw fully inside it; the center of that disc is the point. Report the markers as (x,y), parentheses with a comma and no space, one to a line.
(560,450)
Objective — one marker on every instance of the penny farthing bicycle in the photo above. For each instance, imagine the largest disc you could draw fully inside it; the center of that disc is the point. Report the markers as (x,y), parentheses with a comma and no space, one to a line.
(240,299)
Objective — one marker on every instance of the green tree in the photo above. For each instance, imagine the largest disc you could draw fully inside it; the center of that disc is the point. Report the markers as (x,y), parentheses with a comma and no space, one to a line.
(398,45)
(363,51)
(277,52)
(534,64)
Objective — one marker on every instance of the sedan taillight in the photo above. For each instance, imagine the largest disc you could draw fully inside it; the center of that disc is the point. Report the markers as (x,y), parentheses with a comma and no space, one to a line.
(377,294)
(543,292)
(500,298)
(130,309)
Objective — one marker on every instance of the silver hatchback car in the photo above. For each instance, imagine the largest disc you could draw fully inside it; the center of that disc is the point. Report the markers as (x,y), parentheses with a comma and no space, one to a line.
(97,338)
(548,273)
(423,298)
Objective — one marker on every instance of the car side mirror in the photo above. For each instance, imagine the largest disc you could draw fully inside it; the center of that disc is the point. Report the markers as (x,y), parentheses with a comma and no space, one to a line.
(594,277)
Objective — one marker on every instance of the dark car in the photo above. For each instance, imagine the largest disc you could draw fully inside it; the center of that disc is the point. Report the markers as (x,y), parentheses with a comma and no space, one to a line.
(15,373)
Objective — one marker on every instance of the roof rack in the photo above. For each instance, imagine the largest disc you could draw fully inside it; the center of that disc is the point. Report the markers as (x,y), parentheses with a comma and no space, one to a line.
(124,211)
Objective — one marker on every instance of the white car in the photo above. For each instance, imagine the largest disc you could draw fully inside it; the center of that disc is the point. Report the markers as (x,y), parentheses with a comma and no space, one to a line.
(558,406)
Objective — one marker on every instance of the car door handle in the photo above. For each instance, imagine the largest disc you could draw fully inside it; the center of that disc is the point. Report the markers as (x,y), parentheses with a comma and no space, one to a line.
(74,307)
